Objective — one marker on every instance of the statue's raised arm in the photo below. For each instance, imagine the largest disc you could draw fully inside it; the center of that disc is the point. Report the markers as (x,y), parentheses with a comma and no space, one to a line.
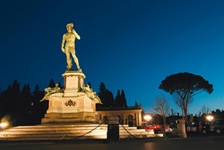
(76,34)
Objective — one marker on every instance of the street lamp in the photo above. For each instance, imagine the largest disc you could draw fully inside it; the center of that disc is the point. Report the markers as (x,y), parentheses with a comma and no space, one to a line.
(209,117)
(147,118)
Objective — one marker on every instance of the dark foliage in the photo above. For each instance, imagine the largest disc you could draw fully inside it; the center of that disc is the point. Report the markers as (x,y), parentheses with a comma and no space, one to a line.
(23,107)
(120,100)
(108,100)
(106,96)
(185,82)
(51,83)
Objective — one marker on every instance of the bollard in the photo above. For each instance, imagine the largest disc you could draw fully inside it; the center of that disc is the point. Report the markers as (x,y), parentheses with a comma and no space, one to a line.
(113,129)
(181,128)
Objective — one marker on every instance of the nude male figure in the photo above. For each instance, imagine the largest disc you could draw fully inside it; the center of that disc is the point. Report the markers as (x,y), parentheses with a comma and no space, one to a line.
(68,46)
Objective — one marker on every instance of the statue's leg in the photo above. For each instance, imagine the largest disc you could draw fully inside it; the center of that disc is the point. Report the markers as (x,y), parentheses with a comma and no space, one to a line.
(75,59)
(69,60)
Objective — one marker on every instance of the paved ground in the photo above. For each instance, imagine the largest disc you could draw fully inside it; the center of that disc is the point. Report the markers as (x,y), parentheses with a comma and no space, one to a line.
(191,143)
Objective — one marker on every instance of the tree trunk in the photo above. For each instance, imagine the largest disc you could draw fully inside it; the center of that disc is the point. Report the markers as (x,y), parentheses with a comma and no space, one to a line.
(164,126)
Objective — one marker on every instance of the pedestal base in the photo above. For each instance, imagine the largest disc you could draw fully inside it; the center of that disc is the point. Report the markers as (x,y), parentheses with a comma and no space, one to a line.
(70,109)
(71,105)
(69,118)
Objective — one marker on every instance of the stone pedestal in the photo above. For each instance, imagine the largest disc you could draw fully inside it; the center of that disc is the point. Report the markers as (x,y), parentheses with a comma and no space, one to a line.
(73,82)
(72,104)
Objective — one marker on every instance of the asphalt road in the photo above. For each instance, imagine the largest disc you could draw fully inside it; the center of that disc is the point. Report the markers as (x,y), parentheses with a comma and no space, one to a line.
(190,143)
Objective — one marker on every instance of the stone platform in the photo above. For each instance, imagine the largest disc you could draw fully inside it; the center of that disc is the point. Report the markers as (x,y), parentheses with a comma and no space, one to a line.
(68,132)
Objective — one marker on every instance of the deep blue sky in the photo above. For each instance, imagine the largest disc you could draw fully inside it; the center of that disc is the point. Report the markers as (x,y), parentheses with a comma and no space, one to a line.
(127,44)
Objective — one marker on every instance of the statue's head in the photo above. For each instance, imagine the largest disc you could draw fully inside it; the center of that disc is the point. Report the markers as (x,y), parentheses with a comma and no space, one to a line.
(70,25)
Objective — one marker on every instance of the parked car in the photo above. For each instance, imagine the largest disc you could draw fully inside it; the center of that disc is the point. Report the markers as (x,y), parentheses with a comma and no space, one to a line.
(172,127)
(156,128)
(192,128)
(204,127)
(215,126)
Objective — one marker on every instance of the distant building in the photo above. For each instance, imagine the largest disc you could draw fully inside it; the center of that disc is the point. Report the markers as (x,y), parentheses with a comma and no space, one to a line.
(131,116)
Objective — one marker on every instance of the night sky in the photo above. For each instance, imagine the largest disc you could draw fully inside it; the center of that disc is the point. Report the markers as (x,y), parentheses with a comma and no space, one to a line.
(127,44)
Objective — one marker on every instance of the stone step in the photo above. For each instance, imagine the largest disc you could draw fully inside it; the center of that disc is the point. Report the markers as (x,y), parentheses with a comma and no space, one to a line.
(56,128)
(67,131)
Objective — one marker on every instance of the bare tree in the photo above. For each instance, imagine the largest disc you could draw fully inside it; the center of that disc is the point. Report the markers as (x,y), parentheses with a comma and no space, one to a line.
(161,108)
(183,101)
(205,110)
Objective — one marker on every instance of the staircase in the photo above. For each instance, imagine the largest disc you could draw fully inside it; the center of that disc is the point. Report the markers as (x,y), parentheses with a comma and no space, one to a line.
(46,132)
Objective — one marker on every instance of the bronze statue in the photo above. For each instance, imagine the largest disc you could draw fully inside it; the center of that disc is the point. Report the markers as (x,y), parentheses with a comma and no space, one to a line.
(68,46)
(48,91)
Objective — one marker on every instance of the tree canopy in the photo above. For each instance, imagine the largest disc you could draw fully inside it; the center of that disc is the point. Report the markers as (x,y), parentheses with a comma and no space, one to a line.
(108,100)
(106,96)
(185,86)
(185,82)
(120,100)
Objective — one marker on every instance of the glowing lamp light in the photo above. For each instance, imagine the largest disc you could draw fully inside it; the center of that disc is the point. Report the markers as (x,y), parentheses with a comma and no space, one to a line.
(209,117)
(3,125)
(147,117)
